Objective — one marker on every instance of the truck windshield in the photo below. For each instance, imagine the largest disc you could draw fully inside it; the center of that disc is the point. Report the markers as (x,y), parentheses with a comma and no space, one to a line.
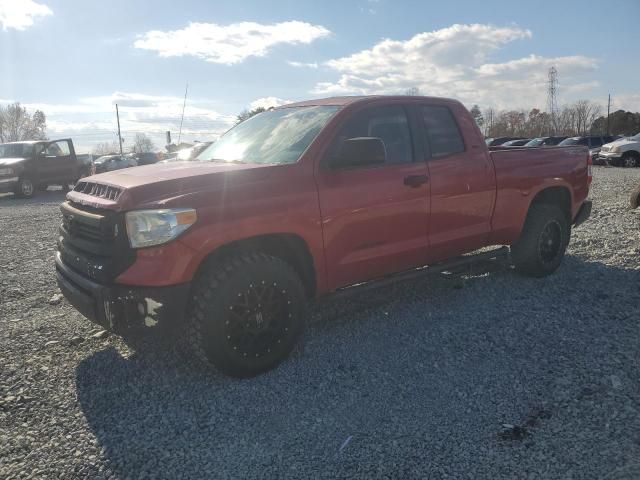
(276,136)
(9,150)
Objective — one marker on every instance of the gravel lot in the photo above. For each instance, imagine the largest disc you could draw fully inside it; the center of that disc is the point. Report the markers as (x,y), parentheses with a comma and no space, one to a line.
(415,382)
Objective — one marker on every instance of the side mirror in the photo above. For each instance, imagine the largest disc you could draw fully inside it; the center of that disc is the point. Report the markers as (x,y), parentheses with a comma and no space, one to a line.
(360,151)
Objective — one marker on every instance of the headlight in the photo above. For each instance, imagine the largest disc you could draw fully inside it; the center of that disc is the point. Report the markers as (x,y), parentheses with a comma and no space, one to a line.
(146,228)
(615,149)
(6,171)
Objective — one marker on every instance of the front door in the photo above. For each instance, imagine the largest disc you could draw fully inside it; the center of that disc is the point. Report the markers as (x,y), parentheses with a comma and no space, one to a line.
(374,217)
(56,163)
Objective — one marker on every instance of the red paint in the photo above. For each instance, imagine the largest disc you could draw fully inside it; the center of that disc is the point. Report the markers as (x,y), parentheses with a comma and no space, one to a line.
(358,224)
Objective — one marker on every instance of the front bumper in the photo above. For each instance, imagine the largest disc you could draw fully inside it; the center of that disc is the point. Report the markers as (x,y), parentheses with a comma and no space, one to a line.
(583,213)
(120,308)
(8,184)
(610,155)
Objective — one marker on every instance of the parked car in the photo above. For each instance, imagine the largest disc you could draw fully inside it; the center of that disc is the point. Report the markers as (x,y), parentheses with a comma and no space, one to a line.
(592,142)
(108,163)
(146,158)
(303,201)
(494,142)
(624,152)
(544,141)
(26,167)
(516,143)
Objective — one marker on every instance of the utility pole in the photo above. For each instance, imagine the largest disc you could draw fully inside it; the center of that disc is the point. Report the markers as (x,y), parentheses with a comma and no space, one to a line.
(184,104)
(119,136)
(552,98)
(608,110)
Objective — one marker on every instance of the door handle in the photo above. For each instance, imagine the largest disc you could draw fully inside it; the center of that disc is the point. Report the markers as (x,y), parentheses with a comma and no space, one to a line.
(415,180)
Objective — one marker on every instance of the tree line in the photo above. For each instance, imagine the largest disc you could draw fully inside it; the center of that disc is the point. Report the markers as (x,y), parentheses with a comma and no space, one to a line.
(580,118)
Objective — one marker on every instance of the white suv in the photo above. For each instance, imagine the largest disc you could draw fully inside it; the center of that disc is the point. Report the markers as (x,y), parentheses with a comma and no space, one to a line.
(624,152)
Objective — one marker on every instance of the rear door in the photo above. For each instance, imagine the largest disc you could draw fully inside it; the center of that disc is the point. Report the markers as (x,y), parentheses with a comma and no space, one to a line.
(374,217)
(462,181)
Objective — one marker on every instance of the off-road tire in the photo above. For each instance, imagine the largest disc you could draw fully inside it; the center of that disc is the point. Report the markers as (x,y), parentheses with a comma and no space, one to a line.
(634,199)
(214,314)
(534,254)
(25,188)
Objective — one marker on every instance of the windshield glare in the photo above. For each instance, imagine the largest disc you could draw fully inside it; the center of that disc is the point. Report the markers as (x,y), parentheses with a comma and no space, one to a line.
(534,143)
(9,150)
(277,136)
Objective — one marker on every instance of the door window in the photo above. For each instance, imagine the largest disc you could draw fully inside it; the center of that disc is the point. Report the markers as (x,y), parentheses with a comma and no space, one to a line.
(442,133)
(596,142)
(57,149)
(388,123)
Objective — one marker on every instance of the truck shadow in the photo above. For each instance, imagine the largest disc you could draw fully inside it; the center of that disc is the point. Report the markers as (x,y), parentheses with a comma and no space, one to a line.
(418,366)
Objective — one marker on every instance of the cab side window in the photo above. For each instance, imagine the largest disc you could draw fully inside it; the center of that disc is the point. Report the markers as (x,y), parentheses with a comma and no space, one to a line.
(389,124)
(442,132)
(57,149)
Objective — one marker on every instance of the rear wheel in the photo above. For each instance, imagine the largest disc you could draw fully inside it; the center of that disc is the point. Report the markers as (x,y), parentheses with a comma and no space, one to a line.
(247,314)
(25,188)
(542,245)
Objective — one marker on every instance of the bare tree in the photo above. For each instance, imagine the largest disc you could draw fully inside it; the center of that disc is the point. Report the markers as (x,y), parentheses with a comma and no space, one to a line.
(413,92)
(16,124)
(586,113)
(246,114)
(477,116)
(142,144)
(106,148)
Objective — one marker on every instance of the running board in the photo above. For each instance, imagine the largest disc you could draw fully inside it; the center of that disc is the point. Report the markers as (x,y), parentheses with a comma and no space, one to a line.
(452,264)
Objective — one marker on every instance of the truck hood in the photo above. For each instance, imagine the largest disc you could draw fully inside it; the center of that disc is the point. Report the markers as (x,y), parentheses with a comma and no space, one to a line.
(623,142)
(162,184)
(8,162)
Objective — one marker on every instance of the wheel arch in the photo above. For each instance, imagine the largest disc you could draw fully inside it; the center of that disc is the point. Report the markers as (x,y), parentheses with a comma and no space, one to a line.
(559,196)
(289,247)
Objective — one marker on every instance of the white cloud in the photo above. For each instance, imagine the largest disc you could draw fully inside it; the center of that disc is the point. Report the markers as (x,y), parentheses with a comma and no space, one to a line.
(228,44)
(268,102)
(91,120)
(455,62)
(625,101)
(303,64)
(20,14)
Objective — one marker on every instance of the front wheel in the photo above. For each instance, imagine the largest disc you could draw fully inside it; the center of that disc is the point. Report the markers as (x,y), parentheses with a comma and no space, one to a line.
(543,242)
(247,314)
(630,160)
(25,188)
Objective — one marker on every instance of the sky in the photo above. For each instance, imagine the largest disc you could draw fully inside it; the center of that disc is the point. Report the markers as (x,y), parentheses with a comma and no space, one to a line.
(75,60)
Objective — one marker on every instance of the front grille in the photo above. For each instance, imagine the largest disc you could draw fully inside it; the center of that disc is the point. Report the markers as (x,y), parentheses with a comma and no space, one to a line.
(93,242)
(98,190)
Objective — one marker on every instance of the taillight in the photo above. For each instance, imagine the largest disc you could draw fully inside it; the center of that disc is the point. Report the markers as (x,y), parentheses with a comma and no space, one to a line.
(589,169)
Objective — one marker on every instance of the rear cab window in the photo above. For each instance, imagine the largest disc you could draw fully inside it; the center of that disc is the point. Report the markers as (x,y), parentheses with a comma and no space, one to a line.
(442,134)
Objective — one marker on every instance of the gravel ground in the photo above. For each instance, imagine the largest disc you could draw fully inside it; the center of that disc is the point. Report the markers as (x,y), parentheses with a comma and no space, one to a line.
(490,375)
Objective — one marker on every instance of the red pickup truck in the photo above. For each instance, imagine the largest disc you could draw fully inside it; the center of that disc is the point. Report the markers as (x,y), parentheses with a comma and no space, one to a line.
(303,201)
